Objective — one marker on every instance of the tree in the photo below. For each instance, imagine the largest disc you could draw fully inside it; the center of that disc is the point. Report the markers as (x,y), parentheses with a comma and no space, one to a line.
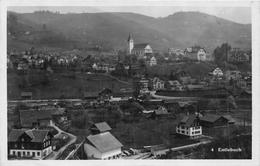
(221,53)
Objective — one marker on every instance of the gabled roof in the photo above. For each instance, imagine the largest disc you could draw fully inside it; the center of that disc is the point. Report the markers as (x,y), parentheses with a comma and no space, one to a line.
(188,120)
(140,46)
(35,135)
(104,142)
(102,126)
(211,117)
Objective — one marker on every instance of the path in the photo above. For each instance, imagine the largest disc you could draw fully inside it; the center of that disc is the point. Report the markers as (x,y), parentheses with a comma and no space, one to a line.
(54,155)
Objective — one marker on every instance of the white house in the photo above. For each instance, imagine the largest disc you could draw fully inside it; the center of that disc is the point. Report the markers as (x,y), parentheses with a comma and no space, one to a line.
(157,83)
(217,72)
(202,55)
(33,143)
(102,146)
(189,126)
(153,61)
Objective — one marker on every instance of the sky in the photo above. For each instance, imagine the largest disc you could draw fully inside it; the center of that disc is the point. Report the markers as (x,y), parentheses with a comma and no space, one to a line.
(236,14)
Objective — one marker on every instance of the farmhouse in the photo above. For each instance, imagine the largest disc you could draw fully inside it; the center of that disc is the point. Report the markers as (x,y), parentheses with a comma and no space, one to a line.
(102,146)
(212,120)
(29,143)
(189,126)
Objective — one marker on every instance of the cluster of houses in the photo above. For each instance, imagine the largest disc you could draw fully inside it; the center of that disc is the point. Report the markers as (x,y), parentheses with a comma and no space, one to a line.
(192,125)
(195,53)
(238,56)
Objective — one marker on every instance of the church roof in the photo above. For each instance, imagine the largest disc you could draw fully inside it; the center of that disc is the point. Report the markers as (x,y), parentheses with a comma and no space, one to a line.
(140,46)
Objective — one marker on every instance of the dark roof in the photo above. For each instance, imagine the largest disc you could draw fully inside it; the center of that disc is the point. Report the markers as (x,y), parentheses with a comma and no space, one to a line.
(35,135)
(102,126)
(104,142)
(188,120)
(140,46)
(210,118)
(59,111)
(229,118)
(28,117)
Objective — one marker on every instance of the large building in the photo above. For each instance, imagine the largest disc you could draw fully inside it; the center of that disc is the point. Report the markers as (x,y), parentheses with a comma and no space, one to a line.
(103,146)
(141,50)
(33,143)
(189,126)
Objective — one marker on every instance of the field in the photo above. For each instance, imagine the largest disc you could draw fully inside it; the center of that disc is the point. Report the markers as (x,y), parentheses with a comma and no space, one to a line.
(60,85)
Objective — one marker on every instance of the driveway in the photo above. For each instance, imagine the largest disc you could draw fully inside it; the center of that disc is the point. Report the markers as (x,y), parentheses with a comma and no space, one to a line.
(55,154)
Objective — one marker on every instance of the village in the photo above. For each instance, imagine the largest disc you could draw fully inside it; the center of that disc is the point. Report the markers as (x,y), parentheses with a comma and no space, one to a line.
(135,103)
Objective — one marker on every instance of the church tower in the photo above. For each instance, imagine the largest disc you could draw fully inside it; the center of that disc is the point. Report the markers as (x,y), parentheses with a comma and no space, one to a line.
(130,41)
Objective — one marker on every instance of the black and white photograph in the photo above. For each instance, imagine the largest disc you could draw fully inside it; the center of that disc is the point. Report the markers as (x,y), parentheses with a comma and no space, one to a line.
(135,82)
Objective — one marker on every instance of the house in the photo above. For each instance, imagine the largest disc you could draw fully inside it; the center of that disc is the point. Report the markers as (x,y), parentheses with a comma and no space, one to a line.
(35,118)
(196,53)
(212,120)
(160,112)
(141,50)
(175,85)
(141,85)
(29,143)
(101,127)
(157,84)
(153,61)
(217,72)
(189,126)
(102,146)
(26,95)
(233,75)
(60,115)
(237,55)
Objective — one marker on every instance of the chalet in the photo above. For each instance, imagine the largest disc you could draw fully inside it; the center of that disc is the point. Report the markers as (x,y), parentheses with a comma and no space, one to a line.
(29,143)
(101,127)
(189,126)
(35,118)
(26,95)
(102,146)
(212,120)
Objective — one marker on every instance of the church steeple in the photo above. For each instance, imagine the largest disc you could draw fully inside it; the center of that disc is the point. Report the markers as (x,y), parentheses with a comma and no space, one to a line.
(130,41)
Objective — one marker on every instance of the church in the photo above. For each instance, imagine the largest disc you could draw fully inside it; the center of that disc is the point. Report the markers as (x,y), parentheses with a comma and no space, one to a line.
(141,50)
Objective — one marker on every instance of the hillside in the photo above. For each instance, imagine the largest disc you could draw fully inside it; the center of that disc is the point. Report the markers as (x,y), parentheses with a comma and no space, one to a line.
(110,30)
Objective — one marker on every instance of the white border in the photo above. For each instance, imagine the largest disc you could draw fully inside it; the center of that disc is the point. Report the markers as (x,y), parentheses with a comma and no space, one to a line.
(255,6)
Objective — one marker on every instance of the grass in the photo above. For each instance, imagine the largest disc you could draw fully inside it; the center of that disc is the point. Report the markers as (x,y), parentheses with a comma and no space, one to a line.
(66,85)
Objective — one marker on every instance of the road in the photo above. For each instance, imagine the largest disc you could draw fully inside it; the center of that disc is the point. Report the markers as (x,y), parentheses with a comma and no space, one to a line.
(170,97)
(54,155)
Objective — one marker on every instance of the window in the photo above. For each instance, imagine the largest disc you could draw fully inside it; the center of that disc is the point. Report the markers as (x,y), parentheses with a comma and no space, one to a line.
(28,153)
(23,153)
(33,154)
(38,153)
